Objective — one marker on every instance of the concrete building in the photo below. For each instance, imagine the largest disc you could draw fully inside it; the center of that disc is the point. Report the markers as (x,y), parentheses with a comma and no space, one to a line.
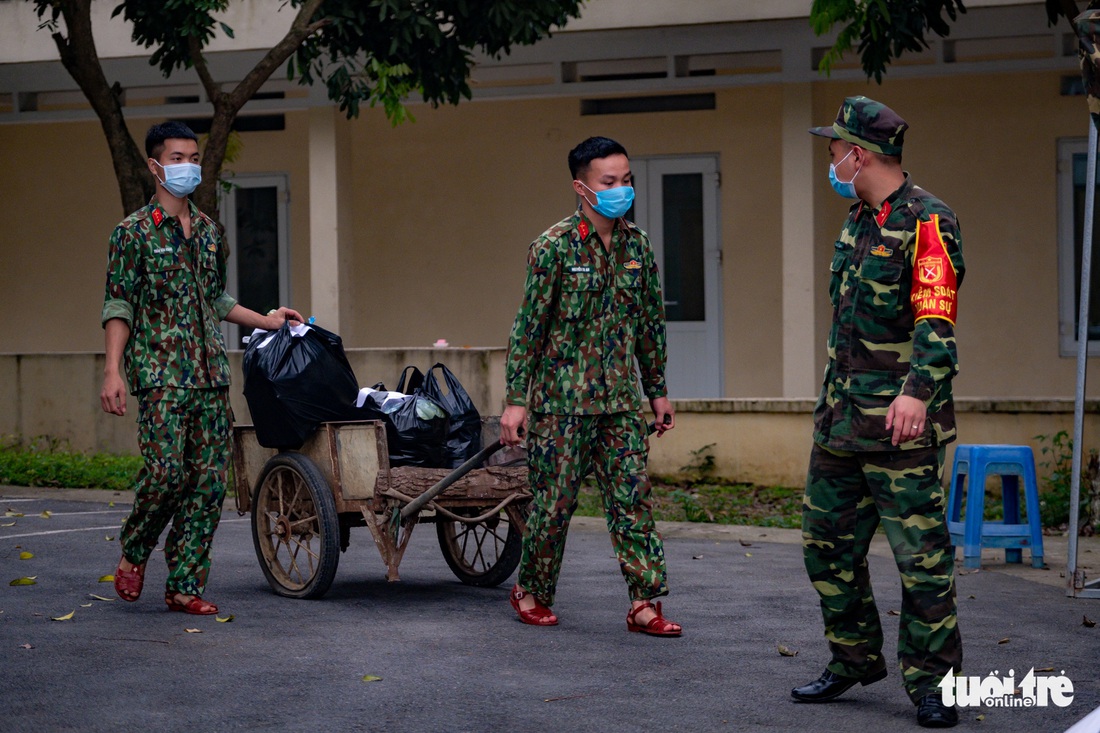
(396,237)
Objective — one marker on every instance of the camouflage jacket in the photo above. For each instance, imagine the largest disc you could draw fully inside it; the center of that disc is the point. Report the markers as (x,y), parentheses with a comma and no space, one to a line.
(883,341)
(586,315)
(171,292)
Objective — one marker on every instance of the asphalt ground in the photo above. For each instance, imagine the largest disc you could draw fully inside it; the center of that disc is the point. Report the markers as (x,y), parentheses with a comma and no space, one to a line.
(454,658)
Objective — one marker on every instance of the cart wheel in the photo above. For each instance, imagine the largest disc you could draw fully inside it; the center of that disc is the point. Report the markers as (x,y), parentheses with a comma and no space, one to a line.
(295,527)
(482,554)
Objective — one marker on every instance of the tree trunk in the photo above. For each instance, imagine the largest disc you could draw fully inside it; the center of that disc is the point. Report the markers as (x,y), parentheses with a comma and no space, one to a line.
(80,59)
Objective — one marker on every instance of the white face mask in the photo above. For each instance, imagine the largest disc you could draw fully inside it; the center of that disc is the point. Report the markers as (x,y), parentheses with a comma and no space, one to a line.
(180,179)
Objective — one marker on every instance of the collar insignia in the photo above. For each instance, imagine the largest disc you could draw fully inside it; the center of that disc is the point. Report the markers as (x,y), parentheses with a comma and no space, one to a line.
(158,216)
(582,228)
(884,213)
(882,251)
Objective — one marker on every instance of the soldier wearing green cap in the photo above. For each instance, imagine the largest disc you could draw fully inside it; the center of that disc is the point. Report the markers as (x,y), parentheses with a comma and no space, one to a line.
(883,418)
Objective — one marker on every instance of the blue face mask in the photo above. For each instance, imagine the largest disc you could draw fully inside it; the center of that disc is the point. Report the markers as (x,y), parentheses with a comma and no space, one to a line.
(180,179)
(847,189)
(612,202)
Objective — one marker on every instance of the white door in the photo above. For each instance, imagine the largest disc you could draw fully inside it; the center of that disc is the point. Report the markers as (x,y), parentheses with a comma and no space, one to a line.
(677,205)
(254,212)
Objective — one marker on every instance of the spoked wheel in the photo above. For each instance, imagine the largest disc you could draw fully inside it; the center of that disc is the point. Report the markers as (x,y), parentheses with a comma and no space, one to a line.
(295,527)
(482,554)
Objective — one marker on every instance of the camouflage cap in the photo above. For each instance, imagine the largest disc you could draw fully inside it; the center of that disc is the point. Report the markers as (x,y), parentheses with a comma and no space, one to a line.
(869,124)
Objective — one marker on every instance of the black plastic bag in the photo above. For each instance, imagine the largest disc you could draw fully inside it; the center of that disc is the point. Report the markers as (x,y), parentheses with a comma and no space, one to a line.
(293,382)
(464,436)
(416,426)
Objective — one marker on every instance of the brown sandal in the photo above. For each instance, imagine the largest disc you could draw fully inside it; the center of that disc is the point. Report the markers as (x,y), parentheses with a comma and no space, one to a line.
(657,626)
(128,583)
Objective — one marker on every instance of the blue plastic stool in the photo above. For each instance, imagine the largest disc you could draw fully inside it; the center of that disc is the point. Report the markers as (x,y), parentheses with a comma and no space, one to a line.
(972,464)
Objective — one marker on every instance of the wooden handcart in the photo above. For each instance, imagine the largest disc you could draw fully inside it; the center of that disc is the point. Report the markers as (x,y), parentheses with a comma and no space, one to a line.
(305,502)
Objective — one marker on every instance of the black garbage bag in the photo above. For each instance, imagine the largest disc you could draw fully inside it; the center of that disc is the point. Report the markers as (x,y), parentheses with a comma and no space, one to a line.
(295,379)
(464,435)
(416,426)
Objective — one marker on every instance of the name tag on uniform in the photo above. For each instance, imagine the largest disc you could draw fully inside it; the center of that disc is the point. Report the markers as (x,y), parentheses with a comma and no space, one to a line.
(163,251)
(580,268)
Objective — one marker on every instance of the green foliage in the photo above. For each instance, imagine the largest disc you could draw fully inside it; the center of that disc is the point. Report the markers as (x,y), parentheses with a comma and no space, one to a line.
(1054,494)
(701,466)
(884,29)
(363,51)
(46,461)
(721,503)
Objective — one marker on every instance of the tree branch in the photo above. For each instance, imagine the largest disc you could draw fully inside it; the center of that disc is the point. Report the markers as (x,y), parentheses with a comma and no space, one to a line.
(299,30)
(198,60)
(80,58)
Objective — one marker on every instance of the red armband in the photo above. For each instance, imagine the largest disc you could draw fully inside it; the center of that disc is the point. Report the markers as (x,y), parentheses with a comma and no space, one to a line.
(934,293)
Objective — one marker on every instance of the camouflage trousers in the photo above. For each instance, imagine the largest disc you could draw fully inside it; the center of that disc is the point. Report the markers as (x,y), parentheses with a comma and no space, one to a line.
(847,495)
(184,439)
(561,449)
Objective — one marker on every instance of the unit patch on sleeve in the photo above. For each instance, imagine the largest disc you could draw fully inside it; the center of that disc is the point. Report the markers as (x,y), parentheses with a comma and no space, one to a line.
(935,284)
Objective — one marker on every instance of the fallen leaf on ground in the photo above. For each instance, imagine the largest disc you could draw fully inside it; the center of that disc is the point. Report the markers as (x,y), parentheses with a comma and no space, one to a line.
(1087,622)
(26,555)
(107,579)
(193,631)
(225,620)
(109,538)
(1003,641)
(371,678)
(110,503)
(100,598)
(748,554)
(787,651)
(10,513)
(972,597)
(24,581)
(66,617)
(892,612)
(980,718)
(1045,669)
(46,514)
(9,524)
(86,605)
(744,543)
(696,557)
(26,646)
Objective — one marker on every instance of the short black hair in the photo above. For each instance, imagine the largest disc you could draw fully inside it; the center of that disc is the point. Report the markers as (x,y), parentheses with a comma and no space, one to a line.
(158,133)
(591,149)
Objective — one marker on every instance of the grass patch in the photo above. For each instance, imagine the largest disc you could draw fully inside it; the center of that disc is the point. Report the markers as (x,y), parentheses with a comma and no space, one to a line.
(45,461)
(713,501)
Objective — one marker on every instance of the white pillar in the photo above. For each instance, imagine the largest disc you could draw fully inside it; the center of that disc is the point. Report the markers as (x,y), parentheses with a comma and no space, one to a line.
(800,373)
(324,229)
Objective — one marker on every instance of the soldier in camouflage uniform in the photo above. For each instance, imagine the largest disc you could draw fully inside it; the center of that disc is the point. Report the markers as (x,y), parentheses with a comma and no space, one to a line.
(883,418)
(165,298)
(592,304)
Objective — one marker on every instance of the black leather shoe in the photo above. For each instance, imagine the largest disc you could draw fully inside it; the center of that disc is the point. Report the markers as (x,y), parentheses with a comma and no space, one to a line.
(830,686)
(932,713)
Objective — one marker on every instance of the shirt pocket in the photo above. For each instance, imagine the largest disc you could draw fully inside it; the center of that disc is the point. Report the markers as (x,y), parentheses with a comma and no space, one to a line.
(880,280)
(578,291)
(209,276)
(628,293)
(836,279)
(166,280)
